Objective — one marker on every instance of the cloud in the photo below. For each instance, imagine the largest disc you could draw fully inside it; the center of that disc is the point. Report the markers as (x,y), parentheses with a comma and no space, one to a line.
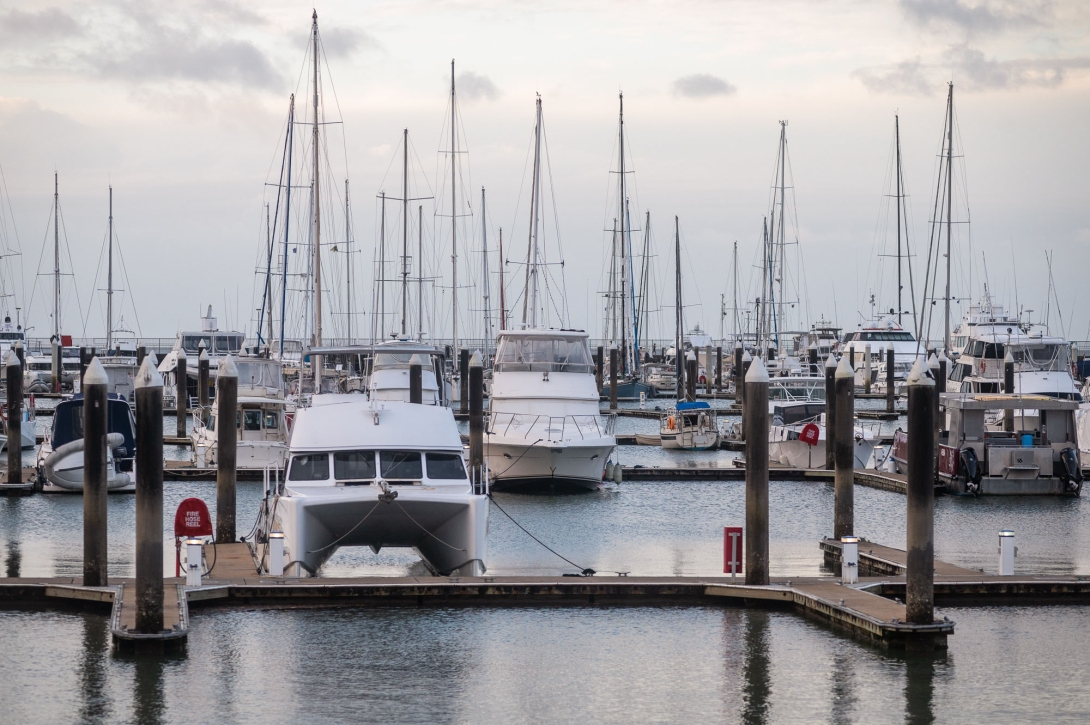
(182,56)
(907,78)
(475,87)
(984,16)
(343,42)
(971,70)
(26,28)
(702,85)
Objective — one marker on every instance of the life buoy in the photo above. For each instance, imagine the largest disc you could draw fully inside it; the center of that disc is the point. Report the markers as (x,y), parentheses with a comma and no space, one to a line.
(670,422)
(983,365)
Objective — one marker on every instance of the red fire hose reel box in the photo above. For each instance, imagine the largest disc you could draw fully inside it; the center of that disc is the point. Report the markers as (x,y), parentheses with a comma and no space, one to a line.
(810,434)
(190,520)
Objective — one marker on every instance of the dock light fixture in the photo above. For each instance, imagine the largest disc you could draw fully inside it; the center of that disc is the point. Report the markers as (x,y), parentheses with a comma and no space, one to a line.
(849,559)
(276,553)
(1007,551)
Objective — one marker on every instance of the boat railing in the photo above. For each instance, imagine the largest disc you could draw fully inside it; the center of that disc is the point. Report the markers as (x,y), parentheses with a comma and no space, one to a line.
(551,427)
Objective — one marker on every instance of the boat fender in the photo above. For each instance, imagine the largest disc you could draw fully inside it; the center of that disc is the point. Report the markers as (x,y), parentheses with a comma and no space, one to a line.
(617,473)
(113,440)
(969,469)
(609,470)
(1072,471)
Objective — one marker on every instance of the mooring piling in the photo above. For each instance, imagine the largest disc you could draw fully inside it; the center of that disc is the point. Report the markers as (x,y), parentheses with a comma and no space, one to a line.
(203,374)
(20,352)
(95,385)
(55,366)
(812,358)
(920,495)
(599,367)
(736,371)
(691,375)
(719,369)
(463,380)
(747,360)
(476,417)
(416,379)
(226,448)
(844,452)
(149,498)
(181,387)
(756,431)
(14,372)
(866,368)
(84,358)
(891,380)
(1008,388)
(141,353)
(830,411)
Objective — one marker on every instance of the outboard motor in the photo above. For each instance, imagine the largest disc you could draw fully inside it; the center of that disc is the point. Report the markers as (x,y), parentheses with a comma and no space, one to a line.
(969,469)
(1071,470)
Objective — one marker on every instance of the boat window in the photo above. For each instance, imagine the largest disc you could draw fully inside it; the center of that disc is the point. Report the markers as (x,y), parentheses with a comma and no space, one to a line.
(977,348)
(311,467)
(400,361)
(192,343)
(251,420)
(401,464)
(995,350)
(272,420)
(265,373)
(446,466)
(543,354)
(211,422)
(356,465)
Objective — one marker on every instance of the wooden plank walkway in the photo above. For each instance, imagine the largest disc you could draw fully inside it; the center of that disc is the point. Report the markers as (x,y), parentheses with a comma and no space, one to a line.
(878,560)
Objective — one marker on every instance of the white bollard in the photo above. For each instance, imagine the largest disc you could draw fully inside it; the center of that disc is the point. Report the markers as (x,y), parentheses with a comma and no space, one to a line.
(643,400)
(276,553)
(202,455)
(849,559)
(1006,552)
(193,551)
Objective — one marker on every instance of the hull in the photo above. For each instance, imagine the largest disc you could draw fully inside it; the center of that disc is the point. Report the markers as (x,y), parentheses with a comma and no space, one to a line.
(449,532)
(689,441)
(67,475)
(249,455)
(798,454)
(516,464)
(629,390)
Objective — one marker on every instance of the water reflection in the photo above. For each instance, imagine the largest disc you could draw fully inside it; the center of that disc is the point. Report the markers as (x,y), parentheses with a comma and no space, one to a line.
(843,684)
(148,701)
(14,559)
(755,669)
(920,686)
(93,670)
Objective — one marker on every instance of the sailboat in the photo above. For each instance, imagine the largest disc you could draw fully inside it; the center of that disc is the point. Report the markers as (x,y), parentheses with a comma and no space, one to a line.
(545,430)
(623,316)
(689,424)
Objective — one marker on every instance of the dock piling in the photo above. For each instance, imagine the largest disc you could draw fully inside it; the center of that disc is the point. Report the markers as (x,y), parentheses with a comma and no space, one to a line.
(476,418)
(463,380)
(920,494)
(182,392)
(736,371)
(20,352)
(84,358)
(891,380)
(830,411)
(149,499)
(691,374)
(719,369)
(14,371)
(843,443)
(203,374)
(866,368)
(95,384)
(812,358)
(599,367)
(141,353)
(55,367)
(1008,388)
(741,389)
(613,377)
(226,448)
(756,432)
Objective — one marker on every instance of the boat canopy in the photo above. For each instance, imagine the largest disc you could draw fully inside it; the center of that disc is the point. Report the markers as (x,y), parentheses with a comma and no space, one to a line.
(693,405)
(543,351)
(68,423)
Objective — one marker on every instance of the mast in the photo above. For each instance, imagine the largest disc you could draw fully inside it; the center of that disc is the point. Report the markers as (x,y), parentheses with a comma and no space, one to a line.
(679,353)
(484,277)
(735,317)
(641,317)
(347,265)
(316,360)
(631,291)
(949,201)
(621,204)
(897,139)
(380,327)
(453,217)
(268,274)
(405,234)
(110,280)
(613,293)
(782,247)
(529,298)
(287,227)
(503,299)
(420,279)
(766,286)
(56,261)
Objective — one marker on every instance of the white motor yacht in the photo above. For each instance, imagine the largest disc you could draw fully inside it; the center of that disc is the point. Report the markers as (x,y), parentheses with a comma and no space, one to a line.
(877,336)
(369,473)
(545,430)
(217,343)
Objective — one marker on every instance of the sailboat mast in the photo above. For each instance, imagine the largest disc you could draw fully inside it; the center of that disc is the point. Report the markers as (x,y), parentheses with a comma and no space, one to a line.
(420,262)
(621,199)
(453,216)
(381,324)
(287,227)
(949,202)
(110,280)
(268,275)
(56,261)
(503,298)
(484,276)
(405,233)
(735,318)
(530,297)
(347,265)
(900,286)
(679,353)
(782,247)
(766,286)
(316,360)
(613,294)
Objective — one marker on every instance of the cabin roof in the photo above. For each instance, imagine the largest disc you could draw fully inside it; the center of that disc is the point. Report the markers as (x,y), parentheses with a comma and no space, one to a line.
(347,422)
(1002,401)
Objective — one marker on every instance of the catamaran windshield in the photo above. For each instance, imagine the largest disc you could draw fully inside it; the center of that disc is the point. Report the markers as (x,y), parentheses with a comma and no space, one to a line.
(538,353)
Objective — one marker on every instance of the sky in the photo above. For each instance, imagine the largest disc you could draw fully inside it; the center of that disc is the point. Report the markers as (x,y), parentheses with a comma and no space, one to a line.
(181,108)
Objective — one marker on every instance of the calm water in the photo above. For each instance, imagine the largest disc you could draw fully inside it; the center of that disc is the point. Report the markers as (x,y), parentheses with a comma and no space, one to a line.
(564,665)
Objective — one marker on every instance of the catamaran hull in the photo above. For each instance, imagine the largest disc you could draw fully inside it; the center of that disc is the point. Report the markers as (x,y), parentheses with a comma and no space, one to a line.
(521,465)
(448,532)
